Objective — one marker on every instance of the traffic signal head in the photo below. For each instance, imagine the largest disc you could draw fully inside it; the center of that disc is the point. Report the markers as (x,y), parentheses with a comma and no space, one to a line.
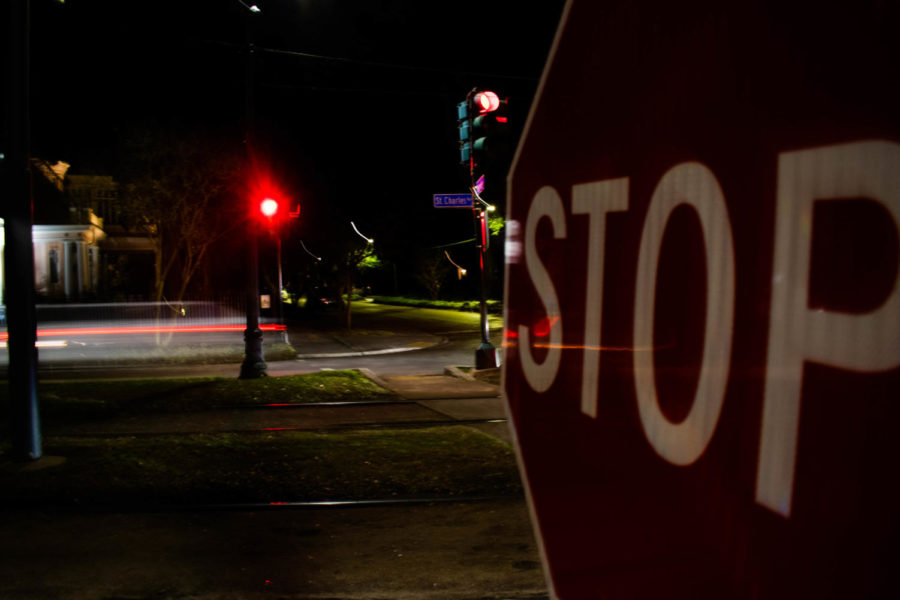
(489,129)
(465,125)
(482,126)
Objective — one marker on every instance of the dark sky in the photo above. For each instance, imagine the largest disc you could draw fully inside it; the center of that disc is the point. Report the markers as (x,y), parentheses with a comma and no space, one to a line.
(353,93)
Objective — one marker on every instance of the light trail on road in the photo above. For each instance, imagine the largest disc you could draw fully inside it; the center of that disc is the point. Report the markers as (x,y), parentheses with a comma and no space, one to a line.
(79,331)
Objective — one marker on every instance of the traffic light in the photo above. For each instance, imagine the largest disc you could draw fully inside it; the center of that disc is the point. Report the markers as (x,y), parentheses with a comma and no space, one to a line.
(269,208)
(489,133)
(465,126)
(482,127)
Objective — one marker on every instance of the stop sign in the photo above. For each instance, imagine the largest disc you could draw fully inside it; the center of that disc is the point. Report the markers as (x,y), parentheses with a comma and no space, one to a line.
(702,303)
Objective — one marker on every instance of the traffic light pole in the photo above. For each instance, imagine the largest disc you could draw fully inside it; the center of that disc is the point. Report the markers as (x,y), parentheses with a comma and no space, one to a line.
(284,333)
(486,353)
(254,365)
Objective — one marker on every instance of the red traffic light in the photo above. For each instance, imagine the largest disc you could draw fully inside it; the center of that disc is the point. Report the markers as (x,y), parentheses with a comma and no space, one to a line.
(487,101)
(268,207)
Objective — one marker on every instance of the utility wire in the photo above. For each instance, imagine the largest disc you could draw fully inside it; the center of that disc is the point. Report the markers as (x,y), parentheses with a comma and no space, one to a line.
(371,63)
(384,65)
(319,88)
(453,244)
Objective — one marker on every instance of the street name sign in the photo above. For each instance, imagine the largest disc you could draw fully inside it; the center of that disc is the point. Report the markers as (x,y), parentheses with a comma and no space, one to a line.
(702,344)
(453,200)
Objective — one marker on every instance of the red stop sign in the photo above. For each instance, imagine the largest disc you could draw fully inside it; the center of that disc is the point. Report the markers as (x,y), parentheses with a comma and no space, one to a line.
(703,310)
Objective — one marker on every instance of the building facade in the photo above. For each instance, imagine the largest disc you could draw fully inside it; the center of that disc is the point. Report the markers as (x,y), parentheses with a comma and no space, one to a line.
(82,250)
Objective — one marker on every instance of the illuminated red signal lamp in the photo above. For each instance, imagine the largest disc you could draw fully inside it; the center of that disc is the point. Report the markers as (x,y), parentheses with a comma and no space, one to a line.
(268,207)
(487,102)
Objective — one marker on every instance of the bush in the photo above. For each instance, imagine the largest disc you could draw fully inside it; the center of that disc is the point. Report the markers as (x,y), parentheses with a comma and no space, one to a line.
(493,306)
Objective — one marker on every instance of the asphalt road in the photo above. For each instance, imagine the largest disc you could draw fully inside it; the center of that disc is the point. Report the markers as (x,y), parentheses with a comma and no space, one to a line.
(388,340)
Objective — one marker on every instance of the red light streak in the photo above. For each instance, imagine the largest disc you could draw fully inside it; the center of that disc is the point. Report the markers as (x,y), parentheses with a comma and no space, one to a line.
(542,327)
(79,331)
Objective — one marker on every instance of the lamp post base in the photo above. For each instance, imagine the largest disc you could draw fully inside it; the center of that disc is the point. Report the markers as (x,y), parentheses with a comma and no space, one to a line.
(254,365)
(486,357)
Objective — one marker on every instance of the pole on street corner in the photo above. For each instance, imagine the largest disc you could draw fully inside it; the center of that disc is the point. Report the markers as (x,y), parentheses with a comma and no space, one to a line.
(19,249)
(486,353)
(254,365)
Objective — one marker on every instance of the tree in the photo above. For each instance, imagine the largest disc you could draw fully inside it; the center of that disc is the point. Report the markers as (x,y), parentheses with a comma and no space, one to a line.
(180,190)
(431,271)
(355,253)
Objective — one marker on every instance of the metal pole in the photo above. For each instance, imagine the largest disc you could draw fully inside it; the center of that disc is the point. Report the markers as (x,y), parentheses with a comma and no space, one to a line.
(254,365)
(19,249)
(284,334)
(485,354)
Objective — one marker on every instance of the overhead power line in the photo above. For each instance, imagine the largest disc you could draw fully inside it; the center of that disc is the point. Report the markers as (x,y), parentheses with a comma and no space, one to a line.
(375,64)
(384,65)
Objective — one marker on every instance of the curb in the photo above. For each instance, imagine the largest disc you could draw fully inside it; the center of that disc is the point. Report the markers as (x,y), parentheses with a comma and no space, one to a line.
(354,353)
(457,372)
(381,351)
(469,376)
(371,376)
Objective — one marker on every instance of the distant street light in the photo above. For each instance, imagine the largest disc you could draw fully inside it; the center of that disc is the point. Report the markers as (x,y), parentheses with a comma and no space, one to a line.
(251,7)
(369,240)
(460,271)
(476,193)
(318,258)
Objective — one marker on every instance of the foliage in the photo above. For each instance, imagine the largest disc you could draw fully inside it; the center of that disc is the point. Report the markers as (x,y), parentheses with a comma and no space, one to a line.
(432,271)
(370,260)
(496,224)
(354,254)
(493,306)
(177,189)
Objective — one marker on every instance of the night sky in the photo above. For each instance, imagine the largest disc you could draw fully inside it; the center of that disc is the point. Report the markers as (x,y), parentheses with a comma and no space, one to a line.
(354,101)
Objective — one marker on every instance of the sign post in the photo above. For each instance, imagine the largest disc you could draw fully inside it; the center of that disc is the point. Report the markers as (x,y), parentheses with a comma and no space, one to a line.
(702,350)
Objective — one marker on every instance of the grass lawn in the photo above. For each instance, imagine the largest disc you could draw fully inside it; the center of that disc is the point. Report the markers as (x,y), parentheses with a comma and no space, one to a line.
(197,354)
(493,306)
(263,467)
(88,400)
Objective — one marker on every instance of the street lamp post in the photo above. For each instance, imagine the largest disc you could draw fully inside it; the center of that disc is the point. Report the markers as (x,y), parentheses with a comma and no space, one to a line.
(24,418)
(254,365)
